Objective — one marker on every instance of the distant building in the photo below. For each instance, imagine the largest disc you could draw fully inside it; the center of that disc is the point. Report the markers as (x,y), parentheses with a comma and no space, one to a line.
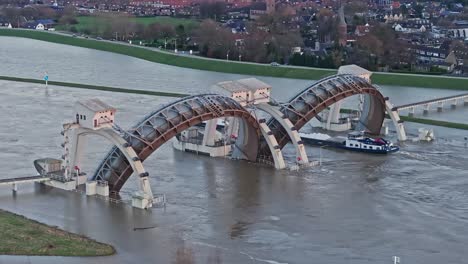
(239,3)
(342,28)
(261,8)
(362,30)
(459,29)
(429,54)
(40,24)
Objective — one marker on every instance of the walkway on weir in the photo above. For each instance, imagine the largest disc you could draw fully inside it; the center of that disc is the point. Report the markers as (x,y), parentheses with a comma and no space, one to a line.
(439,101)
(28,179)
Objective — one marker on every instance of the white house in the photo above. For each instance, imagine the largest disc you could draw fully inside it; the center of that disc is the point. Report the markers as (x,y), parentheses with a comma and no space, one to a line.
(94,114)
(40,27)
(399,28)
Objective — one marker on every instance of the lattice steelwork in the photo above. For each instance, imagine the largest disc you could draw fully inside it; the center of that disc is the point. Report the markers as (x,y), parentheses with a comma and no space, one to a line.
(161,125)
(322,94)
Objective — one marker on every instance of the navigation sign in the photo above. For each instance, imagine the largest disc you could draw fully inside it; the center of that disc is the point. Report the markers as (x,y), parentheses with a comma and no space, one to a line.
(46,79)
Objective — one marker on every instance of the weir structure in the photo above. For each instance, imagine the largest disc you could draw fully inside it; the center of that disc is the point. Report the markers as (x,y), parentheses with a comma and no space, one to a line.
(255,139)
(161,125)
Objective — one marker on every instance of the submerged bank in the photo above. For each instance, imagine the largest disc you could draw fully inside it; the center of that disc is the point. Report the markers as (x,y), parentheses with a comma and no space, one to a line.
(94,87)
(178,95)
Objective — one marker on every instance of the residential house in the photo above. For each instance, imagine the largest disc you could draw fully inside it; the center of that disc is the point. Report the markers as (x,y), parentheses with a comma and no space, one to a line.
(427,54)
(40,24)
(362,30)
(459,29)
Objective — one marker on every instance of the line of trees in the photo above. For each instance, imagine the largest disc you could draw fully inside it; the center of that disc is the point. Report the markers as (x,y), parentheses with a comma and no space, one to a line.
(269,39)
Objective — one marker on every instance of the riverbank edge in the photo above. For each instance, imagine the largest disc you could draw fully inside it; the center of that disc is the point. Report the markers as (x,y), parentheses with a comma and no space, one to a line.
(434,122)
(179,95)
(199,63)
(51,229)
(94,87)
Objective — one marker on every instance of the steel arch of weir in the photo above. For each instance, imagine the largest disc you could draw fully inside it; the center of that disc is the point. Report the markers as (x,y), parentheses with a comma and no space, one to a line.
(311,101)
(161,125)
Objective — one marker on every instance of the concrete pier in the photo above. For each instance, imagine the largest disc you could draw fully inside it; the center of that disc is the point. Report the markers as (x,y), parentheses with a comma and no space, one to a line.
(452,100)
(454,104)
(440,107)
(426,110)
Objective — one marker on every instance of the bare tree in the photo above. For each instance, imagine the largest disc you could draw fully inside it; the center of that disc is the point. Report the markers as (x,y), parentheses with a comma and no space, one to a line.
(215,41)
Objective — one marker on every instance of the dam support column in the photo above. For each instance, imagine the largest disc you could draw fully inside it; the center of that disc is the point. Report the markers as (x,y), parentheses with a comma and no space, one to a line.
(397,122)
(440,107)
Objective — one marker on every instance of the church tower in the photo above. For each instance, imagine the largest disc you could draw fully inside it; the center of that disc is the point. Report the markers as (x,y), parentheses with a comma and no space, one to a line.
(342,28)
(270,6)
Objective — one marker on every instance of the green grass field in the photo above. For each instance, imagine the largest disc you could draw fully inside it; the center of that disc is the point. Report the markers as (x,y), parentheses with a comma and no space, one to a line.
(434,122)
(88,22)
(194,62)
(21,236)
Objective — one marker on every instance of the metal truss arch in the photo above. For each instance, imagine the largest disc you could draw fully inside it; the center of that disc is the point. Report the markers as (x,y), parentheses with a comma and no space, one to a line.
(159,126)
(307,104)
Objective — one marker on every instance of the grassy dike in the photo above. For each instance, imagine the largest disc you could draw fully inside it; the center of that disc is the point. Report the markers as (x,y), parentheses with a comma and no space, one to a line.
(171,59)
(95,87)
(22,236)
(158,93)
(194,62)
(434,122)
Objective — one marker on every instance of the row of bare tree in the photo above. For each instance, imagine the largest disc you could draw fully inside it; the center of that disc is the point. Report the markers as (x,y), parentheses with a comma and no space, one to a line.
(269,39)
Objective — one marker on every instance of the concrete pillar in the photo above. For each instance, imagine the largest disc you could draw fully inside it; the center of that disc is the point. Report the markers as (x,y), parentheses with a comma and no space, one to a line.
(440,107)
(400,128)
(334,114)
(454,104)
(233,127)
(276,153)
(426,109)
(301,156)
(466,101)
(411,112)
(210,132)
(14,188)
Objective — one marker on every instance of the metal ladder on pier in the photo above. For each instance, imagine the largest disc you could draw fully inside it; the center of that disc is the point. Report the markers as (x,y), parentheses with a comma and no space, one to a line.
(212,106)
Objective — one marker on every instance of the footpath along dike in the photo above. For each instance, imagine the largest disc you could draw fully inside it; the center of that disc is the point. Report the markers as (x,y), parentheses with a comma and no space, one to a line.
(200,63)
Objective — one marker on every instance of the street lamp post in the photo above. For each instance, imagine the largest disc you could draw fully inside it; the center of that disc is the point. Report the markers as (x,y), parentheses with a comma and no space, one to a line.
(227,55)
(240,57)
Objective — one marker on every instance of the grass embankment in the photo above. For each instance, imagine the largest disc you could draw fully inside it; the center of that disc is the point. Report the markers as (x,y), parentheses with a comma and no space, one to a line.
(234,67)
(22,236)
(434,122)
(89,22)
(157,93)
(422,81)
(171,59)
(95,87)
(419,120)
